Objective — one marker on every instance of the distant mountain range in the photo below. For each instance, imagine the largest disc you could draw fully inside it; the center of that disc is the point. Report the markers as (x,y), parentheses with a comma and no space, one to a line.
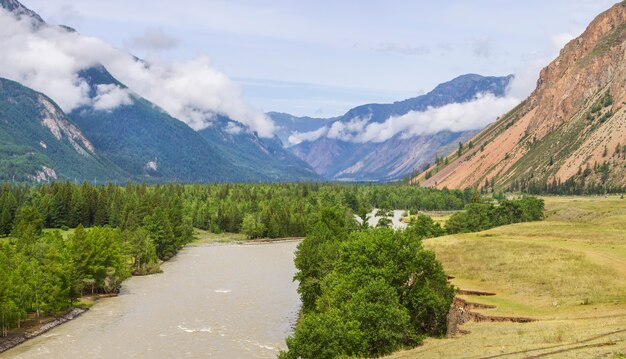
(139,141)
(398,156)
(571,131)
(134,141)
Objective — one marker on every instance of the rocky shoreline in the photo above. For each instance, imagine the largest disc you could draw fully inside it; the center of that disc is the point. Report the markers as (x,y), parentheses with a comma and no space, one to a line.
(21,338)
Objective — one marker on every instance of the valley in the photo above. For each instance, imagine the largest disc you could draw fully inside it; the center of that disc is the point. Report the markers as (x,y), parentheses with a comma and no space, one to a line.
(321,180)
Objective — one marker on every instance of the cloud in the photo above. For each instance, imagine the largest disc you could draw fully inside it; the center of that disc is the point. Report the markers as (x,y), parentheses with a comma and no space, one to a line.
(66,14)
(154,40)
(525,80)
(482,47)
(403,49)
(109,97)
(456,117)
(299,137)
(347,131)
(233,128)
(48,59)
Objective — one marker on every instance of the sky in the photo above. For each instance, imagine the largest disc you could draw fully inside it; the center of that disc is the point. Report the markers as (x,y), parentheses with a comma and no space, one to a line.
(321,58)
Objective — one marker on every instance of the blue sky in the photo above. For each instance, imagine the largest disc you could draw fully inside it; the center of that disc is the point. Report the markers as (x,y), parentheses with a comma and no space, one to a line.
(320,58)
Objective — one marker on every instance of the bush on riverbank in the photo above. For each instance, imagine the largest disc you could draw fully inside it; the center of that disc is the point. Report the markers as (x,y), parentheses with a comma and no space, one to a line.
(365,293)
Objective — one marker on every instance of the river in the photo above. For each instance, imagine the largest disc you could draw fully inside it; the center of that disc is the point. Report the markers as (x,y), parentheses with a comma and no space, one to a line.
(221,301)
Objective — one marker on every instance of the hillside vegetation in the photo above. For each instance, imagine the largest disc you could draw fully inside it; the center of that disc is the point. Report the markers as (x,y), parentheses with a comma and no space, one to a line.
(567,272)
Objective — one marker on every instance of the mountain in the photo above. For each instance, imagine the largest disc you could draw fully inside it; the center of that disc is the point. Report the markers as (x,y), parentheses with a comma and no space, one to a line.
(153,146)
(396,157)
(572,128)
(267,158)
(147,144)
(39,143)
(458,90)
(21,11)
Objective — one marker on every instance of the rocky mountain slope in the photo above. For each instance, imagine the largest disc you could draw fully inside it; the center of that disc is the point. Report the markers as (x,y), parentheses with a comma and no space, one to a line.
(39,143)
(398,156)
(572,128)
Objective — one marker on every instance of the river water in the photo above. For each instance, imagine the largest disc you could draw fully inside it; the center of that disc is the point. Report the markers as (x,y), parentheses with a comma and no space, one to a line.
(221,301)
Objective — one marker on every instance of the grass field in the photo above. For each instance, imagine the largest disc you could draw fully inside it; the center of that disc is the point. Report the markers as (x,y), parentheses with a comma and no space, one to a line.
(440,217)
(568,272)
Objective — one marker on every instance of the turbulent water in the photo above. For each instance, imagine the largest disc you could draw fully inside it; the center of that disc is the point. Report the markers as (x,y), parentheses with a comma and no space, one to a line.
(222,301)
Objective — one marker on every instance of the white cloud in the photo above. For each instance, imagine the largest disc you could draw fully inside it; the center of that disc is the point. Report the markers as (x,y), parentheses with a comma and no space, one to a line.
(347,131)
(154,40)
(48,60)
(298,137)
(525,80)
(456,117)
(233,128)
(109,97)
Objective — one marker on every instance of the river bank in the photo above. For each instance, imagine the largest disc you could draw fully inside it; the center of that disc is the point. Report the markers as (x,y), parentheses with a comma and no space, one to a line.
(34,327)
(209,300)
(31,328)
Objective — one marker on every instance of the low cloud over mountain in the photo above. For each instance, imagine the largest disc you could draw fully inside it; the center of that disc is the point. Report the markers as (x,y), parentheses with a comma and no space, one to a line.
(48,59)
(473,114)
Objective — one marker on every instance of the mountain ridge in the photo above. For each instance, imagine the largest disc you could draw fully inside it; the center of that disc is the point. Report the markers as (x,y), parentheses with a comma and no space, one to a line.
(396,157)
(570,129)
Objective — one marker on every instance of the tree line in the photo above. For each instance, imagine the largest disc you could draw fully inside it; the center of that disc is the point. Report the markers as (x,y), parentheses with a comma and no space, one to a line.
(259,210)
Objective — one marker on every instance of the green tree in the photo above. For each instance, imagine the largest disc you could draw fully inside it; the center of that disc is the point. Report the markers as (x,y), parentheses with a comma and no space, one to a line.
(326,336)
(425,227)
(141,248)
(7,212)
(160,229)
(29,223)
(317,252)
(252,226)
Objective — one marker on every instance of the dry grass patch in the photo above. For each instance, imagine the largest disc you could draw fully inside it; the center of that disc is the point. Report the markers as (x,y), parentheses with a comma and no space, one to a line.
(568,271)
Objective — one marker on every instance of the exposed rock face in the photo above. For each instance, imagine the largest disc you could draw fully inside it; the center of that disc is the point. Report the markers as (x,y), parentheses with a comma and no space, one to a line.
(575,118)
(55,121)
(44,175)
